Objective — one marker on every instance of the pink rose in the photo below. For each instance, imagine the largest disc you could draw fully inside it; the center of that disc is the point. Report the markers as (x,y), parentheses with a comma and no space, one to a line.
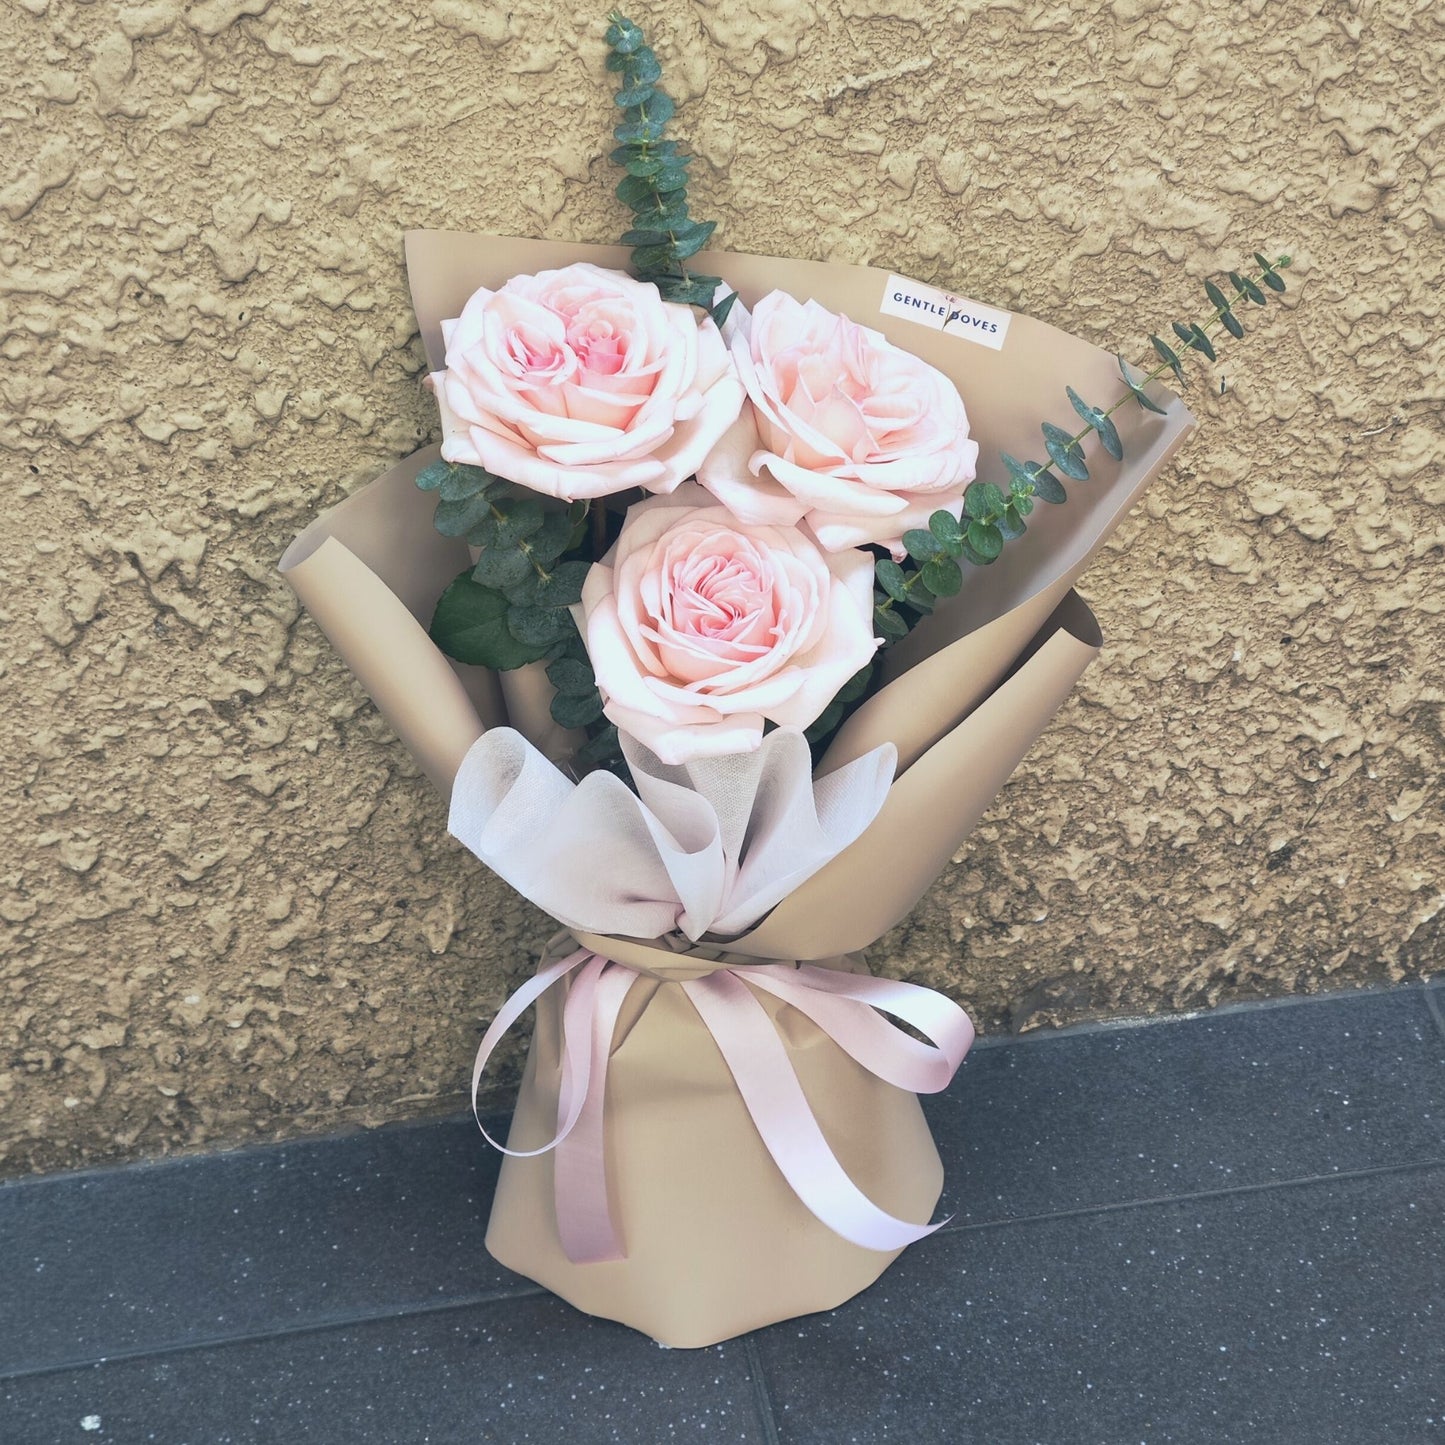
(840,427)
(583,382)
(700,627)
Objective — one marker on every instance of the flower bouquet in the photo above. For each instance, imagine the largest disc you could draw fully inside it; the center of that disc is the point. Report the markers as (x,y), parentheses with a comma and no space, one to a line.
(710,621)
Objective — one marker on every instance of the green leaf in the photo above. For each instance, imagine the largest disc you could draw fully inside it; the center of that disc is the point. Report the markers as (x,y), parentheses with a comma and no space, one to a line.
(1184,332)
(922,546)
(465,482)
(1200,342)
(635,191)
(920,599)
(502,567)
(470,624)
(672,218)
(670,181)
(539,626)
(553,537)
(632,95)
(563,587)
(647,259)
(1245,287)
(624,37)
(638,130)
(818,730)
(892,579)
(1020,473)
(1020,502)
(1273,280)
(945,526)
(856,685)
(604,748)
(983,500)
(1068,454)
(691,241)
(1135,387)
(569,675)
(1217,298)
(723,307)
(1048,488)
(521,516)
(985,539)
(456,519)
(433,475)
(1231,324)
(643,68)
(1011,526)
(573,710)
(942,576)
(1102,425)
(657,110)
(1166,354)
(690,290)
(889,625)
(645,238)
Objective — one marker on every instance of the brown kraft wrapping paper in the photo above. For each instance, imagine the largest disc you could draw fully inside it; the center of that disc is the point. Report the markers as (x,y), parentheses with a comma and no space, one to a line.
(717,1243)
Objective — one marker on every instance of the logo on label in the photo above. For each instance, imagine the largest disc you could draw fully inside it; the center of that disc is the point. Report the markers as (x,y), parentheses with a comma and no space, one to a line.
(943,311)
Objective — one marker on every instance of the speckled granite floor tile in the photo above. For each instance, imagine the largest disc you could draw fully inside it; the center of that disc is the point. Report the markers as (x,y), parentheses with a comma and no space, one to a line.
(214,1246)
(532,1372)
(1326,1085)
(1301,1315)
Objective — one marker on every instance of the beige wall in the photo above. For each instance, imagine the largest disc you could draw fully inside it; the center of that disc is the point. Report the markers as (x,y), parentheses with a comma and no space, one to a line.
(229,905)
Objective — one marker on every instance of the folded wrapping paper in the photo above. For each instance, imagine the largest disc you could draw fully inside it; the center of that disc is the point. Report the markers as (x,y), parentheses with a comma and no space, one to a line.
(716,1240)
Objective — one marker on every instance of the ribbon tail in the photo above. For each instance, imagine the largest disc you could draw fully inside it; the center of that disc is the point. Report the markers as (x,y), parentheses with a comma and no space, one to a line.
(758,1061)
(579,1180)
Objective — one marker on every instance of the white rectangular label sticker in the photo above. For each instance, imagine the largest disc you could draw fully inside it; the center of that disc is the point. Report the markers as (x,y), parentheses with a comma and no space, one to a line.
(943,311)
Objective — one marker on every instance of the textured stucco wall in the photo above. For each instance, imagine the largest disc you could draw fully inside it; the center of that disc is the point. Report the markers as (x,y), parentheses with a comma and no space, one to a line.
(229,905)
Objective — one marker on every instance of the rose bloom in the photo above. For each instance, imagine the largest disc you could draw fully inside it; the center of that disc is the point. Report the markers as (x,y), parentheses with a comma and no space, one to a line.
(841,427)
(701,627)
(583,382)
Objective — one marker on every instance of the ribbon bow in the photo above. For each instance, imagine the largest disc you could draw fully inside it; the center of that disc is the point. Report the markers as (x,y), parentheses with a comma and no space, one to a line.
(845,1006)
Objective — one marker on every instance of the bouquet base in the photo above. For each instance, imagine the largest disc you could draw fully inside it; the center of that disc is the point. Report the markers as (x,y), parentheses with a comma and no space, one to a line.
(716,1242)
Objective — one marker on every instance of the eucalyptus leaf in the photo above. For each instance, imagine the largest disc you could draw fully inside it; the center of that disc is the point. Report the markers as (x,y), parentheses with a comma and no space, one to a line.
(658,109)
(1102,425)
(983,500)
(502,567)
(945,526)
(563,585)
(635,191)
(922,546)
(521,516)
(553,537)
(539,626)
(624,37)
(638,130)
(1200,342)
(457,518)
(1011,526)
(1232,324)
(1217,298)
(1273,280)
(1245,287)
(889,625)
(645,238)
(721,310)
(942,576)
(569,675)
(691,242)
(463,481)
(892,579)
(602,749)
(1167,354)
(431,476)
(1048,488)
(1136,388)
(985,539)
(633,95)
(1067,454)
(470,624)
(574,710)
(643,69)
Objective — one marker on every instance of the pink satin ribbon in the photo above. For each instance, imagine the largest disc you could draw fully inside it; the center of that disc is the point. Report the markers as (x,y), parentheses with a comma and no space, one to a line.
(844,1006)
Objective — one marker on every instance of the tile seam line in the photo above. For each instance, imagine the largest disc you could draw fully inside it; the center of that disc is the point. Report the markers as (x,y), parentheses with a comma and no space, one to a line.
(249,1337)
(762,1396)
(1433,995)
(1303,1181)
(492,1297)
